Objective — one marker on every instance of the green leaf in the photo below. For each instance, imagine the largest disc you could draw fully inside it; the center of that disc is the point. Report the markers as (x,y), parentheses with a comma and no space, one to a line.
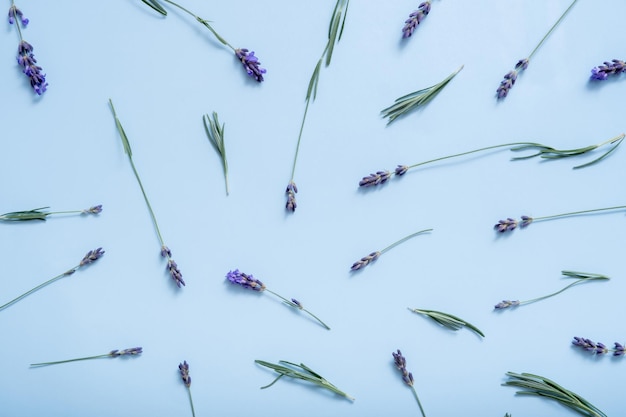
(155,5)
(448,320)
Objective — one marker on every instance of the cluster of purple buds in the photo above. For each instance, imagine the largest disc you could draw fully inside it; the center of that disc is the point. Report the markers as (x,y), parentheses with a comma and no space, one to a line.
(250,63)
(415,19)
(602,72)
(509,79)
(16,14)
(92,256)
(184,373)
(364,261)
(93,210)
(401,169)
(510,224)
(27,61)
(506,304)
(291,196)
(598,348)
(245,280)
(131,352)
(400,363)
(172,267)
(380,177)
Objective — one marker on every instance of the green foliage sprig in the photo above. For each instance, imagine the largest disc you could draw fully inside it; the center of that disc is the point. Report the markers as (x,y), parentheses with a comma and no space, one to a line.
(215,133)
(39,214)
(447,320)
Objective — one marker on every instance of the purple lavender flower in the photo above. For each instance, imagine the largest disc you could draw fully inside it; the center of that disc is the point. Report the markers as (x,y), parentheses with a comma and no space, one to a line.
(184,373)
(245,280)
(291,196)
(505,225)
(401,169)
(590,346)
(509,79)
(618,349)
(364,261)
(175,273)
(297,303)
(130,352)
(16,14)
(93,209)
(415,19)
(92,256)
(506,303)
(526,221)
(27,61)
(250,63)
(380,177)
(602,72)
(400,363)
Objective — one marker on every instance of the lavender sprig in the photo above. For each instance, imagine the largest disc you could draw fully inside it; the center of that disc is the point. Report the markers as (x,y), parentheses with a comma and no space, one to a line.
(335,30)
(172,267)
(215,133)
(509,79)
(598,348)
(407,376)
(540,150)
(249,282)
(447,320)
(415,19)
(183,368)
(602,72)
(582,277)
(25,57)
(89,258)
(112,354)
(536,385)
(247,58)
(302,372)
(412,101)
(38,214)
(366,260)
(511,224)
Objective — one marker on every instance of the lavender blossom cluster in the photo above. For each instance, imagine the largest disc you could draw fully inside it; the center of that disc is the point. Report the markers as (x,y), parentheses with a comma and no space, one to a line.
(25,57)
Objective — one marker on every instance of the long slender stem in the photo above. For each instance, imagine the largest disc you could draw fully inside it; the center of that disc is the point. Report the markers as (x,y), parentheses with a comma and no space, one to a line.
(419,403)
(295,157)
(292,304)
(551,30)
(70,360)
(38,287)
(563,289)
(471,152)
(573,213)
(193,411)
(404,239)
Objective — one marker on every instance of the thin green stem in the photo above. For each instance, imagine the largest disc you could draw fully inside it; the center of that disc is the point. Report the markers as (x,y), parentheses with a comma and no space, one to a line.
(404,239)
(295,157)
(563,289)
(193,411)
(474,151)
(419,403)
(573,213)
(294,305)
(70,360)
(551,30)
(40,286)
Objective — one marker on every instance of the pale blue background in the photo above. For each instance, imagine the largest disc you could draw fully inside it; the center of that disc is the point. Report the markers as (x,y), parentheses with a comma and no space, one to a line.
(62,150)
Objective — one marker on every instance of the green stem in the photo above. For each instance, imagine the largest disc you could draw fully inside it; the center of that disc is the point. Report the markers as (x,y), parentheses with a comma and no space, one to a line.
(295,157)
(40,286)
(563,289)
(70,360)
(419,403)
(294,305)
(551,30)
(193,411)
(404,239)
(573,213)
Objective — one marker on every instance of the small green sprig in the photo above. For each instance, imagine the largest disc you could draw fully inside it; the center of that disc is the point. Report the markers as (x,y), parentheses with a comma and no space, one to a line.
(540,150)
(40,214)
(582,277)
(112,354)
(366,260)
(90,257)
(215,133)
(302,372)
(540,386)
(412,101)
(447,320)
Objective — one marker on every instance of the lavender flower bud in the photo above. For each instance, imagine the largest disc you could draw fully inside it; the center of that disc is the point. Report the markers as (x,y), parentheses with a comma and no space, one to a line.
(364,261)
(380,177)
(291,196)
(92,256)
(27,61)
(130,352)
(250,63)
(93,209)
(506,304)
(505,225)
(526,221)
(175,273)
(602,72)
(586,344)
(618,349)
(184,373)
(297,303)
(15,13)
(415,19)
(166,252)
(245,280)
(401,169)
(400,363)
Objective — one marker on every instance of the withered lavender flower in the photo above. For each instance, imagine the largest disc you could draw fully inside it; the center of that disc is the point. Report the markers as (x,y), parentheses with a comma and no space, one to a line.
(172,267)
(407,376)
(247,58)
(415,19)
(366,260)
(538,149)
(509,79)
(582,277)
(135,351)
(183,368)
(38,214)
(602,72)
(25,57)
(511,224)
(249,282)
(335,31)
(90,257)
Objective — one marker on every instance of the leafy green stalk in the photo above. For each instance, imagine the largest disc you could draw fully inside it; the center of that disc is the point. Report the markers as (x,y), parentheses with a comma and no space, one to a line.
(112,354)
(302,372)
(38,214)
(448,320)
(215,133)
(540,386)
(409,102)
(296,304)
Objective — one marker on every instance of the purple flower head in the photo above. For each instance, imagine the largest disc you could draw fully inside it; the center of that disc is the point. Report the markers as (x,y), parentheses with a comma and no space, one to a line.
(505,225)
(175,273)
(526,221)
(602,72)
(506,84)
(166,252)
(522,64)
(291,196)
(16,14)
(93,209)
(618,349)
(506,304)
(184,373)
(27,61)
(297,303)
(400,363)
(589,345)
(126,352)
(380,177)
(92,256)
(401,169)
(415,19)
(245,280)
(364,261)
(250,63)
